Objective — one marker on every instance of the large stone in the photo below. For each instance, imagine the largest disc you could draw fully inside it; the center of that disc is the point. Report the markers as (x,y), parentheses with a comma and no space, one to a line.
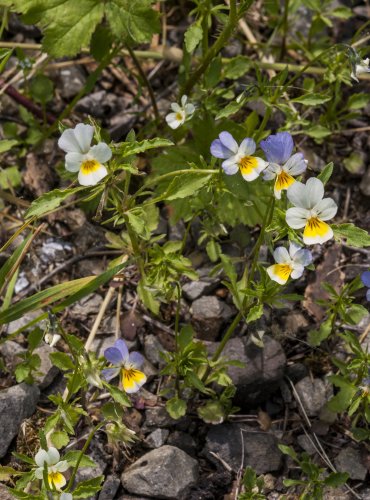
(262,371)
(350,460)
(152,350)
(195,289)
(110,488)
(166,472)
(313,394)
(208,315)
(47,371)
(16,404)
(241,446)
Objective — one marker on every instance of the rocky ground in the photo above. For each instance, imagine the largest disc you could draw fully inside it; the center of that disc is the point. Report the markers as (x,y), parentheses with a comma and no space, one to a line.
(281,392)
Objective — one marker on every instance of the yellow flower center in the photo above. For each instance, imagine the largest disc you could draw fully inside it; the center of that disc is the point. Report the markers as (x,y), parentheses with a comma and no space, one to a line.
(56,480)
(315,227)
(179,116)
(283,271)
(132,378)
(89,166)
(247,164)
(283,181)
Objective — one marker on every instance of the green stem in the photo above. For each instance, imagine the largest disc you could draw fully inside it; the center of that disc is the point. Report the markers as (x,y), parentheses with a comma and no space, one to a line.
(227,336)
(213,51)
(205,27)
(86,445)
(146,82)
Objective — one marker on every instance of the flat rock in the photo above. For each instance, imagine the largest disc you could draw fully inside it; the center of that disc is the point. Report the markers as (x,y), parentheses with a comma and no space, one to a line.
(208,315)
(262,372)
(88,306)
(239,445)
(184,441)
(152,350)
(313,394)
(110,488)
(166,472)
(47,371)
(16,404)
(158,417)
(349,460)
(196,289)
(157,438)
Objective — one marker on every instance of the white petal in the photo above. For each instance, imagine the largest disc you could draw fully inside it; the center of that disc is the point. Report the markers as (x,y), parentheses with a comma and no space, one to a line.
(172,121)
(53,456)
(297,271)
(184,99)
(101,152)
(61,466)
(314,191)
(247,147)
(271,171)
(68,142)
(189,109)
(297,195)
(55,339)
(84,134)
(326,209)
(92,178)
(176,107)
(230,166)
(41,457)
(39,473)
(303,257)
(73,161)
(296,165)
(261,164)
(251,176)
(281,255)
(294,248)
(297,217)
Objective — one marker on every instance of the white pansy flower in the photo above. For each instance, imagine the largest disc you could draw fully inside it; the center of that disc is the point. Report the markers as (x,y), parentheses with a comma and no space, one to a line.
(54,466)
(360,68)
(83,158)
(289,264)
(238,156)
(310,211)
(180,113)
(52,338)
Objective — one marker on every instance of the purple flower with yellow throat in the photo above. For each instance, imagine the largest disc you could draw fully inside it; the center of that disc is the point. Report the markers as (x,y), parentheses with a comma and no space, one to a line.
(126,365)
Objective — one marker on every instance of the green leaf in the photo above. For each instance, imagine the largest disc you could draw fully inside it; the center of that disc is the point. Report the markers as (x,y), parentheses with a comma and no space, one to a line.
(7,472)
(231,108)
(318,132)
(212,412)
(287,450)
(213,249)
(358,101)
(315,337)
(132,20)
(312,99)
(336,479)
(7,144)
(62,361)
(193,36)
(50,201)
(34,338)
(59,439)
(236,67)
(147,297)
(88,488)
(73,456)
(186,336)
(119,396)
(353,236)
(176,407)
(342,12)
(42,89)
(10,177)
(255,313)
(134,148)
(185,185)
(326,173)
(67,25)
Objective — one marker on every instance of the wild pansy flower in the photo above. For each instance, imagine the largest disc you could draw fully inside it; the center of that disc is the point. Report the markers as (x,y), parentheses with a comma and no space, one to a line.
(283,166)
(361,67)
(365,278)
(238,157)
(180,113)
(54,466)
(83,158)
(289,264)
(310,211)
(127,365)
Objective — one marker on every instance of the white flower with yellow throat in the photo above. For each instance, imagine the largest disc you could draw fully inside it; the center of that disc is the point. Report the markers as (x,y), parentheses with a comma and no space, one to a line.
(83,158)
(54,467)
(289,264)
(311,211)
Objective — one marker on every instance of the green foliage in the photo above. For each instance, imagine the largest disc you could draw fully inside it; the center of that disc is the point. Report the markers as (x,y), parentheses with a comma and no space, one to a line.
(252,486)
(130,21)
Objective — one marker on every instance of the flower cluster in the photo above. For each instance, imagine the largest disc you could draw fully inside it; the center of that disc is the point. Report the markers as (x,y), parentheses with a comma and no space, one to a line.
(309,210)
(125,364)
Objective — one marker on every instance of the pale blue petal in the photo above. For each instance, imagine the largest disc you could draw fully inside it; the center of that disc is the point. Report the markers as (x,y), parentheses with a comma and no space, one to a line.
(278,148)
(136,359)
(228,141)
(365,278)
(110,373)
(113,355)
(247,147)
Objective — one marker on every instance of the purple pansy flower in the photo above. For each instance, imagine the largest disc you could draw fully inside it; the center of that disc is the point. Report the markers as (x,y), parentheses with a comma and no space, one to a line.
(125,364)
(365,278)
(238,157)
(283,166)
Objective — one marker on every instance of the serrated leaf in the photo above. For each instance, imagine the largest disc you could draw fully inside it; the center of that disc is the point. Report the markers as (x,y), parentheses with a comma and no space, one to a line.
(255,313)
(88,488)
(73,456)
(59,439)
(312,99)
(119,396)
(353,236)
(212,412)
(62,361)
(193,36)
(10,177)
(132,20)
(185,185)
(50,201)
(134,148)
(176,407)
(236,67)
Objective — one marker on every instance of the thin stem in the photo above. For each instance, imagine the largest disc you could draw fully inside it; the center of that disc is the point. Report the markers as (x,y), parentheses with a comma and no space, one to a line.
(227,336)
(285,29)
(146,82)
(214,50)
